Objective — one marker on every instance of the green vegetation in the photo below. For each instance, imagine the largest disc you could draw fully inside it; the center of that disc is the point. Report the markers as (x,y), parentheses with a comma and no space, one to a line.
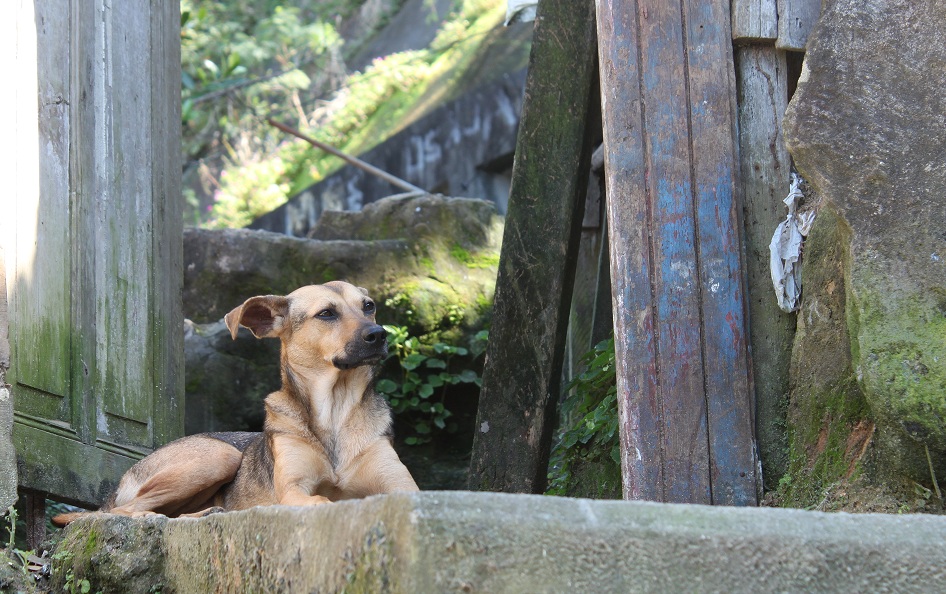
(825,448)
(586,460)
(417,388)
(244,62)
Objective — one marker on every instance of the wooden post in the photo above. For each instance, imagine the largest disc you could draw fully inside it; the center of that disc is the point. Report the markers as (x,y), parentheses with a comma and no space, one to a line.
(754,19)
(522,374)
(35,518)
(796,18)
(763,95)
(684,380)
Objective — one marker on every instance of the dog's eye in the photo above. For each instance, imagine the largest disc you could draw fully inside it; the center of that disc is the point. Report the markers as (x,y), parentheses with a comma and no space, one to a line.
(325,314)
(369,306)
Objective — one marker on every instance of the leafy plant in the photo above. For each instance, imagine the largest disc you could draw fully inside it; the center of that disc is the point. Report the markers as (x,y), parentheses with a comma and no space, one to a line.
(424,375)
(590,419)
(29,567)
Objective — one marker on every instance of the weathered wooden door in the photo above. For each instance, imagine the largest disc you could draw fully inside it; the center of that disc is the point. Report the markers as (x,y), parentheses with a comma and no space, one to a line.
(92,235)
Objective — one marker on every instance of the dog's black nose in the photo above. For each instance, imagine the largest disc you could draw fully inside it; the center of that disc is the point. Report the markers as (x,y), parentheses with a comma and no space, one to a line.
(373,334)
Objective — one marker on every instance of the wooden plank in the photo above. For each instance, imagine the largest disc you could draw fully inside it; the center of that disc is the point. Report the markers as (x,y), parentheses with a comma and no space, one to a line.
(724,332)
(68,469)
(35,518)
(796,19)
(40,291)
(82,224)
(765,164)
(123,262)
(168,225)
(754,20)
(675,251)
(521,379)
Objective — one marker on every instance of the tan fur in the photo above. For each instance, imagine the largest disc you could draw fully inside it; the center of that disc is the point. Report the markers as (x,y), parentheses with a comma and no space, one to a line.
(327,434)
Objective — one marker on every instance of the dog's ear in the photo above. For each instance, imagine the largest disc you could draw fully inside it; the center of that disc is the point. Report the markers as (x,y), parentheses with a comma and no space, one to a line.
(264,316)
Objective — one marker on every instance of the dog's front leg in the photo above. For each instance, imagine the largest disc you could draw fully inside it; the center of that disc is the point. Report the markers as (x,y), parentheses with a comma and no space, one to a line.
(379,470)
(298,470)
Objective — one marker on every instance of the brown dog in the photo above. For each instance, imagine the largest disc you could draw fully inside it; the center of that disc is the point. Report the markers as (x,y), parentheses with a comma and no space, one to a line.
(327,434)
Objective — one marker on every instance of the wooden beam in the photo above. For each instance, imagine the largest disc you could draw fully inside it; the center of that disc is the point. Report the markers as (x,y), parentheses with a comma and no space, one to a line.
(35,518)
(754,20)
(522,374)
(796,19)
(761,73)
(684,384)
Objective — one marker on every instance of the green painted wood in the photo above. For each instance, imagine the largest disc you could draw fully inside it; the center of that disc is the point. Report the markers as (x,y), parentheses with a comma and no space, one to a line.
(765,165)
(123,281)
(521,378)
(40,323)
(684,383)
(168,224)
(66,468)
(120,258)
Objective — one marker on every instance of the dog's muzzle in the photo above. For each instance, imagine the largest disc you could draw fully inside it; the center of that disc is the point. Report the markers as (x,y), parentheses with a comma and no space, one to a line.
(370,347)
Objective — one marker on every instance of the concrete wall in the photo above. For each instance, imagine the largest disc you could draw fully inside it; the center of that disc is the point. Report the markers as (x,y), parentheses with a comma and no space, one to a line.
(464,148)
(491,542)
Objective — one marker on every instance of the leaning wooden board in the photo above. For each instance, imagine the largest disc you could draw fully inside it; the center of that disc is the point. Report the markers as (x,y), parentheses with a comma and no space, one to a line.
(684,379)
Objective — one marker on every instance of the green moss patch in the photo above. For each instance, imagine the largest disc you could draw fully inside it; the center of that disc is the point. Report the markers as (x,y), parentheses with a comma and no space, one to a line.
(899,350)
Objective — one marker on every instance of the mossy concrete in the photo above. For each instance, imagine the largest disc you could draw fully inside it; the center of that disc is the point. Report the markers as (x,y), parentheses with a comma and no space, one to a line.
(490,542)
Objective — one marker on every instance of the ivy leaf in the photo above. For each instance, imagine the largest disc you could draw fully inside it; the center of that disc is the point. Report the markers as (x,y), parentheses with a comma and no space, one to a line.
(386,386)
(468,376)
(426,391)
(412,361)
(436,363)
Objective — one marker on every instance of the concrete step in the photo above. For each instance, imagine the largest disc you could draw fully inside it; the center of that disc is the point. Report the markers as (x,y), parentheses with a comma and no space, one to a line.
(491,542)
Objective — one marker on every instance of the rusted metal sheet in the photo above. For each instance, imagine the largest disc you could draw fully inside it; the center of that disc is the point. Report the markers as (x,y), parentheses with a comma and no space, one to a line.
(685,391)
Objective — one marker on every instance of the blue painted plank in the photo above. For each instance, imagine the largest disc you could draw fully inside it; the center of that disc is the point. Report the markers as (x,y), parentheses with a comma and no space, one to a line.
(684,386)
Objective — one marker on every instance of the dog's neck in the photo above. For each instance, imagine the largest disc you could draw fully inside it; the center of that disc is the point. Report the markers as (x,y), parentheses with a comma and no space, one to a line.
(330,394)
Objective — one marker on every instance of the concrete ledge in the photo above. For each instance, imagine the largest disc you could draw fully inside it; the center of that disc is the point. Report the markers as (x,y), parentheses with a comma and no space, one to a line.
(489,542)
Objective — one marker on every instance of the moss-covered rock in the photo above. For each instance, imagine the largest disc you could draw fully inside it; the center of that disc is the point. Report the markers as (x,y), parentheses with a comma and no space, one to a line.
(867,133)
(106,553)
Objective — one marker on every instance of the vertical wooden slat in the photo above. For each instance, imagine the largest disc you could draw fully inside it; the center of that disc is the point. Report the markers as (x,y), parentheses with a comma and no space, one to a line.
(42,209)
(796,18)
(631,257)
(714,157)
(167,234)
(764,162)
(684,389)
(754,20)
(35,518)
(123,271)
(521,379)
(83,90)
